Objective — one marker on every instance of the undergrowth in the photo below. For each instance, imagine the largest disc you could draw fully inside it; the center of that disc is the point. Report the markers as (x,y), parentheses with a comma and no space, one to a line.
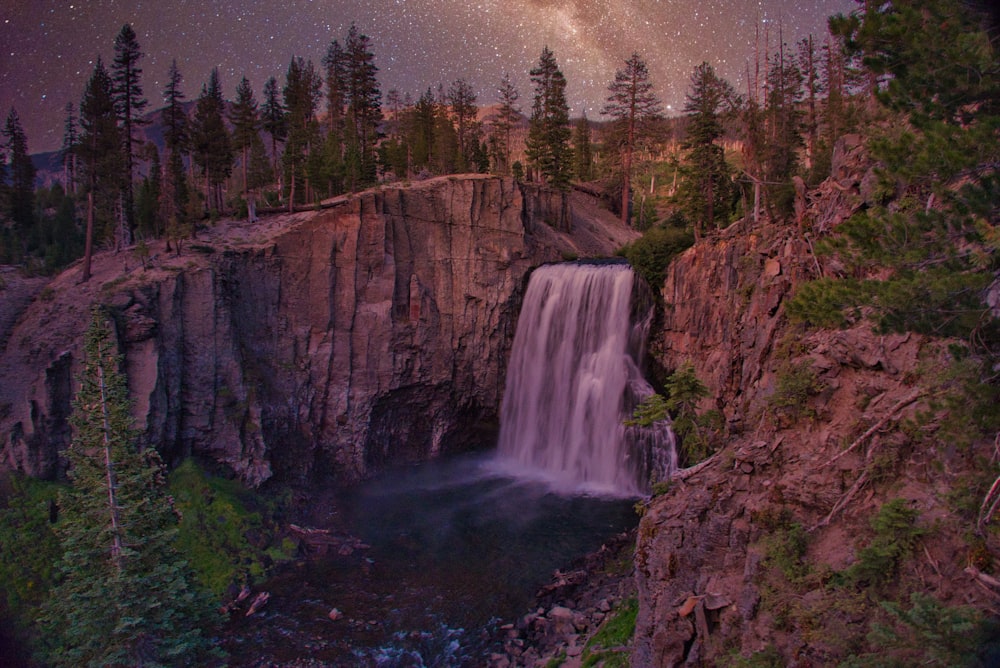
(609,647)
(224,531)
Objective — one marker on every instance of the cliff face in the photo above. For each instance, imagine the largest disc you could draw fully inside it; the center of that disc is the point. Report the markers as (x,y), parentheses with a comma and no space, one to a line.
(741,554)
(373,331)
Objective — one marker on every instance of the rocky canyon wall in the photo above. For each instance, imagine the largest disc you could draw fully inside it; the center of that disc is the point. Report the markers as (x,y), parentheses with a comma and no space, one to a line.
(373,331)
(740,555)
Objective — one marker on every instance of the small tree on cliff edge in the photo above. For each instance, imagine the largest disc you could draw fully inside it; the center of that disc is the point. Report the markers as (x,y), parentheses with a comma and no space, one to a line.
(122,596)
(632,103)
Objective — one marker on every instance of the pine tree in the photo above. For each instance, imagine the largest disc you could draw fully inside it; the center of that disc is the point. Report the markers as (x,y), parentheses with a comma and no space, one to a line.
(147,202)
(782,128)
(503,124)
(548,133)
(246,126)
(122,595)
(929,259)
(273,120)
(21,173)
(581,149)
(129,104)
(705,192)
(212,149)
(100,158)
(811,79)
(364,105)
(67,152)
(462,100)
(335,62)
(632,103)
(174,190)
(302,94)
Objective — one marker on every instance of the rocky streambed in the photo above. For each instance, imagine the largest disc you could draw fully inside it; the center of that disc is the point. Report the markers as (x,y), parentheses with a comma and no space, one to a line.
(449,563)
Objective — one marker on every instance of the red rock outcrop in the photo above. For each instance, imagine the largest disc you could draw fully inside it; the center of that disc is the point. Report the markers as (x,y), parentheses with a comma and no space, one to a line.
(375,330)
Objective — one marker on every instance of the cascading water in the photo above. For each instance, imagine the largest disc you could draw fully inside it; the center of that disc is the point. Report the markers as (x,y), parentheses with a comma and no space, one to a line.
(573,380)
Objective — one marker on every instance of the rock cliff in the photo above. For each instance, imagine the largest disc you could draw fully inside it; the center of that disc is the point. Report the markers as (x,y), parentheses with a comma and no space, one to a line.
(374,330)
(752,551)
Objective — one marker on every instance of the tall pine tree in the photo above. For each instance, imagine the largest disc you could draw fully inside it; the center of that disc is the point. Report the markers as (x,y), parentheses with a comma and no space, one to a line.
(705,192)
(210,141)
(549,132)
(273,120)
(246,126)
(67,153)
(123,596)
(21,173)
(364,106)
(632,104)
(129,103)
(462,100)
(503,125)
(302,93)
(176,135)
(100,159)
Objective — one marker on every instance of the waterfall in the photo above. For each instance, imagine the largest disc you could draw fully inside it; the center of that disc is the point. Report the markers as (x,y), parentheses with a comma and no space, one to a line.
(574,378)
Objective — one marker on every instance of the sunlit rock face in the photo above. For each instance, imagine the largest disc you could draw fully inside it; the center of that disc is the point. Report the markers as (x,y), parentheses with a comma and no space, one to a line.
(373,331)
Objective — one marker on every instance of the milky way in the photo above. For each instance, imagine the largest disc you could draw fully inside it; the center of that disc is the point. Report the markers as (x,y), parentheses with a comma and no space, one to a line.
(49,47)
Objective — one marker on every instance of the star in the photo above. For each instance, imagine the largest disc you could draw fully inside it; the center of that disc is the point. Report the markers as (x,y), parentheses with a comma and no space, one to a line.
(51,47)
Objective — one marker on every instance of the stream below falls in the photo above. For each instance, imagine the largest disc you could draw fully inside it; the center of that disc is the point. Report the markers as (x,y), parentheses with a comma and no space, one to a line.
(458,547)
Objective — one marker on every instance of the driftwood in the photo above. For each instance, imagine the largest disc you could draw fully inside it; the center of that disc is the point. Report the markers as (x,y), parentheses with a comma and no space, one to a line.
(684,474)
(322,540)
(258,603)
(903,403)
(992,498)
(844,500)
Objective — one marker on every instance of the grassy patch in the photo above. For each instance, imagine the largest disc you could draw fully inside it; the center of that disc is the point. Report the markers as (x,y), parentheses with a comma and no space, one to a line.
(225,532)
(28,545)
(609,646)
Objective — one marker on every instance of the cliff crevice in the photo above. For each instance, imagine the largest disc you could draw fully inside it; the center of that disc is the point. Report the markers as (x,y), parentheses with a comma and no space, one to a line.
(374,330)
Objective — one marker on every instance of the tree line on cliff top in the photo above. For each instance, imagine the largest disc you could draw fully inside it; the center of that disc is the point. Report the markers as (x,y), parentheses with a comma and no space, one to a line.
(327,130)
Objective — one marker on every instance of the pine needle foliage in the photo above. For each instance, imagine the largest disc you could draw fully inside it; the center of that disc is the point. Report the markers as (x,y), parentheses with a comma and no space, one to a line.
(122,595)
(922,254)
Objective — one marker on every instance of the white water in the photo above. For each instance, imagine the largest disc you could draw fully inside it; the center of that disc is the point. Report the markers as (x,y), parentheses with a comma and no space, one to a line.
(573,380)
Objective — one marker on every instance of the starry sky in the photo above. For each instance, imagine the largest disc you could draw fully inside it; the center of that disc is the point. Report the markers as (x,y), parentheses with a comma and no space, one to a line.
(48,47)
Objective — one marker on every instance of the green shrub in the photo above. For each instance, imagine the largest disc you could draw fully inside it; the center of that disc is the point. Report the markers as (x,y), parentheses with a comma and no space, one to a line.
(769,657)
(651,254)
(786,550)
(796,384)
(896,534)
(29,547)
(222,532)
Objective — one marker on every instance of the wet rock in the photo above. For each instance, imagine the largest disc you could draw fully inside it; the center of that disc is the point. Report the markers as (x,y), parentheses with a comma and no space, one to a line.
(306,341)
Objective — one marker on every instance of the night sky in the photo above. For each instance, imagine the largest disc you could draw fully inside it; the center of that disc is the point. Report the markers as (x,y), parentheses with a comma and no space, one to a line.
(49,46)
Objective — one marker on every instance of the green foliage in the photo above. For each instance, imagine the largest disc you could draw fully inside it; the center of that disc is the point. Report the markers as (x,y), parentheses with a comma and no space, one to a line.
(548,145)
(223,535)
(28,545)
(652,409)
(895,535)
(651,254)
(821,303)
(122,595)
(920,255)
(699,433)
(796,384)
(927,633)
(705,192)
(786,550)
(609,646)
(769,657)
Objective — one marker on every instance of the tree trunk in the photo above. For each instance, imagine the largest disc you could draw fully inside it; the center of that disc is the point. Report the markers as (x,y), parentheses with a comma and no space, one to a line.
(109,472)
(88,248)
